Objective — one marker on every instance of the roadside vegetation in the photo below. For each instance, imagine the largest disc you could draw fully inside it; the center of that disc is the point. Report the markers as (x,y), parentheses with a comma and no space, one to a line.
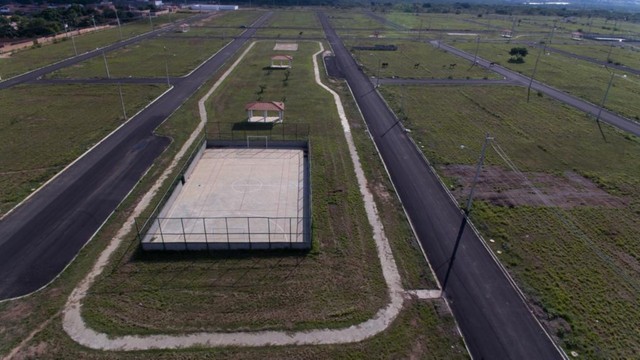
(425,329)
(39,55)
(578,77)
(414,60)
(45,127)
(572,247)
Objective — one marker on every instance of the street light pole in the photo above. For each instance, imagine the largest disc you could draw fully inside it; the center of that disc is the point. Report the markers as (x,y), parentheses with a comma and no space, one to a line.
(467,210)
(166,65)
(604,99)
(124,111)
(106,65)
(118,20)
(378,75)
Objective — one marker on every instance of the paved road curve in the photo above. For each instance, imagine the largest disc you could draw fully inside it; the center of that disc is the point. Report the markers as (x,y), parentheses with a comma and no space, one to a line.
(493,317)
(582,105)
(44,234)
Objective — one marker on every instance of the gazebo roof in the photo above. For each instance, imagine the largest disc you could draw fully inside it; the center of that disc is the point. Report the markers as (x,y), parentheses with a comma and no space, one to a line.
(282,57)
(268,106)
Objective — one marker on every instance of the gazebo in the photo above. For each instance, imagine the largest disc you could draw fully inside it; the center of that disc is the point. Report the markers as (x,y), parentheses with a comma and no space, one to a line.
(281,61)
(267,112)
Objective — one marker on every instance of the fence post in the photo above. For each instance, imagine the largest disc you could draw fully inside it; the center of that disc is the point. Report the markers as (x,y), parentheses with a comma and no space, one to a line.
(249,231)
(226,224)
(206,240)
(183,234)
(135,221)
(164,247)
(269,231)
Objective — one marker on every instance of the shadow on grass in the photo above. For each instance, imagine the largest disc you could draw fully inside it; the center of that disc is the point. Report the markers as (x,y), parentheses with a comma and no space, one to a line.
(206,256)
(247,126)
(177,270)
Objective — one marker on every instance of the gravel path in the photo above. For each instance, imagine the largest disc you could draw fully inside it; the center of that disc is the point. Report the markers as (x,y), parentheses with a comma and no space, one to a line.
(77,329)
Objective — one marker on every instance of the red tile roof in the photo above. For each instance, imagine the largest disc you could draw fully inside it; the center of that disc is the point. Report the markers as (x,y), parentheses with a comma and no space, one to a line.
(268,106)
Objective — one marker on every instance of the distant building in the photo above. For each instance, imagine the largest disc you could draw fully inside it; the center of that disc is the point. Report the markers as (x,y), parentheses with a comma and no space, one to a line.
(507,33)
(577,36)
(210,7)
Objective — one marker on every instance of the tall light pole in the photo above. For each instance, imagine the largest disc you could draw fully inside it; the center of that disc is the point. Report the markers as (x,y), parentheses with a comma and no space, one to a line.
(166,65)
(118,20)
(378,75)
(604,99)
(475,56)
(467,210)
(124,111)
(106,65)
(535,68)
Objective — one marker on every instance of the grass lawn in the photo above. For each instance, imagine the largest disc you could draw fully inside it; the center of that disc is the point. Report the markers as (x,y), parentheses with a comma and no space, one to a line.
(628,55)
(424,329)
(37,57)
(433,63)
(147,59)
(45,127)
(152,293)
(581,78)
(293,18)
(577,259)
(231,18)
(347,19)
(432,21)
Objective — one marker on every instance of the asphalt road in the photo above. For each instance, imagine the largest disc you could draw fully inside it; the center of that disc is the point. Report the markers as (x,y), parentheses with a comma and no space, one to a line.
(494,319)
(35,74)
(582,105)
(44,234)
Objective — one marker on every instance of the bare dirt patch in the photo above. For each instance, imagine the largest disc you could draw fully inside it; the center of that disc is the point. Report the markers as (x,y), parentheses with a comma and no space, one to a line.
(506,188)
(286,47)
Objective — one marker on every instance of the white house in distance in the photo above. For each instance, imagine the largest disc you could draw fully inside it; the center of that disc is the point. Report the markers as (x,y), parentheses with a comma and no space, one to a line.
(265,112)
(211,7)
(577,36)
(506,33)
(281,61)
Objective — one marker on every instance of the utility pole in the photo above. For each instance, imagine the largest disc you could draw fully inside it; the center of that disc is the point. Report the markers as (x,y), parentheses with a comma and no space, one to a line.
(535,68)
(378,74)
(475,56)
(166,65)
(604,99)
(106,65)
(487,138)
(467,210)
(73,41)
(124,111)
(118,20)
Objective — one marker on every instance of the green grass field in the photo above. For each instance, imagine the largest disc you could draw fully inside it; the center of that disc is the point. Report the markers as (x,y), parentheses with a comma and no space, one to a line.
(37,57)
(45,127)
(581,78)
(433,63)
(578,264)
(150,58)
(260,290)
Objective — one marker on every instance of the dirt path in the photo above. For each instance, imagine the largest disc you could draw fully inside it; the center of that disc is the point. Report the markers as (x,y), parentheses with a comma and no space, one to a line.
(75,326)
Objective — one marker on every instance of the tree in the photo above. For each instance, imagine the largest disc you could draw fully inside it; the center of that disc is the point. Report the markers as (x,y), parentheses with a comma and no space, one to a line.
(518,54)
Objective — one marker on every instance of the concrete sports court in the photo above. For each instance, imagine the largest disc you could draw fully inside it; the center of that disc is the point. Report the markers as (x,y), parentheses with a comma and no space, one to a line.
(236,198)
